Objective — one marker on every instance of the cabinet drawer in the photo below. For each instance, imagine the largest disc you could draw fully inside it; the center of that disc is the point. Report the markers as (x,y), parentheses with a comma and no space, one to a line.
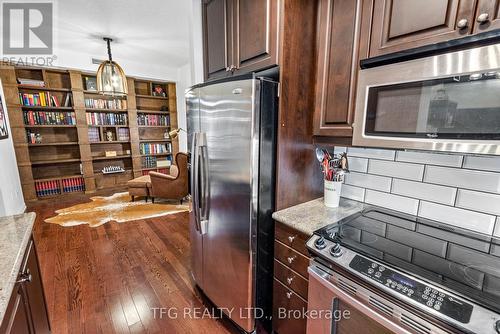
(287,300)
(291,237)
(291,279)
(291,258)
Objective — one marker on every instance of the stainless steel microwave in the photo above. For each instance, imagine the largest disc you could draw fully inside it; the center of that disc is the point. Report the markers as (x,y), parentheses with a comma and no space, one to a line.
(448,102)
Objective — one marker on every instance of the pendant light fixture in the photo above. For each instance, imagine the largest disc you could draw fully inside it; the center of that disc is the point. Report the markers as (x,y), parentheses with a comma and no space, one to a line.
(111,79)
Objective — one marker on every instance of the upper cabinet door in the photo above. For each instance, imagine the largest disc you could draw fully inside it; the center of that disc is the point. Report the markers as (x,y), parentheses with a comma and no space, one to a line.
(217,38)
(404,24)
(336,67)
(256,34)
(487,16)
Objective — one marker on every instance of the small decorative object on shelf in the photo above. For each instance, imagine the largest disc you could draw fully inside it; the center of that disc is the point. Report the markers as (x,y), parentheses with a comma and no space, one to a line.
(113,169)
(109,135)
(164,108)
(166,135)
(38,138)
(110,153)
(159,91)
(91,84)
(34,137)
(334,168)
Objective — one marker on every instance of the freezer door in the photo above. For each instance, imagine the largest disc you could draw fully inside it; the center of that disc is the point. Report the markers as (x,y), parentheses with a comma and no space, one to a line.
(229,120)
(193,128)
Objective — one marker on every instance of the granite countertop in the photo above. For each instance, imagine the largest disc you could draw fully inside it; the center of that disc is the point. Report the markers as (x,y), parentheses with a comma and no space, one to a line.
(15,233)
(310,216)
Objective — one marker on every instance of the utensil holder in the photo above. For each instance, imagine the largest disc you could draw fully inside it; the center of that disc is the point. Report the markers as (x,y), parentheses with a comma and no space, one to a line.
(332,193)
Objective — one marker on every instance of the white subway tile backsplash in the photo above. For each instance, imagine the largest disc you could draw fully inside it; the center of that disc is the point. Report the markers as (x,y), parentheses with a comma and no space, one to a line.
(441,159)
(401,170)
(358,164)
(354,193)
(497,228)
(368,181)
(457,189)
(463,178)
(483,163)
(478,201)
(371,153)
(394,202)
(425,191)
(475,221)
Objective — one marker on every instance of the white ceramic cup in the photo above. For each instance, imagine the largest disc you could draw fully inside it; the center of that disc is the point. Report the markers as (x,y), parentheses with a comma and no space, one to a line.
(332,193)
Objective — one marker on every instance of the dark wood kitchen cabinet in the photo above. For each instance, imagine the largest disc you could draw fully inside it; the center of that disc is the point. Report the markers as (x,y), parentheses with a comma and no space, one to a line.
(399,25)
(240,36)
(217,38)
(337,66)
(487,15)
(27,312)
(291,260)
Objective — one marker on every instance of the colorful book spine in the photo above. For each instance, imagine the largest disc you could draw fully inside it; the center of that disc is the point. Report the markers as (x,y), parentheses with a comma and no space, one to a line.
(106,119)
(148,148)
(105,104)
(52,188)
(43,99)
(153,120)
(49,118)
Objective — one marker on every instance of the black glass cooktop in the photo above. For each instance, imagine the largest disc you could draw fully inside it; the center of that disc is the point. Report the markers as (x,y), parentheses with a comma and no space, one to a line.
(455,258)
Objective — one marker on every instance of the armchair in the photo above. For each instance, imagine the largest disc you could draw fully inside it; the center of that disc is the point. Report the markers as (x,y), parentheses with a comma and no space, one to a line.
(173,185)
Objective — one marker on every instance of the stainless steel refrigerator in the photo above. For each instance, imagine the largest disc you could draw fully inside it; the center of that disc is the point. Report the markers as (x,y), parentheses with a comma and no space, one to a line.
(231,136)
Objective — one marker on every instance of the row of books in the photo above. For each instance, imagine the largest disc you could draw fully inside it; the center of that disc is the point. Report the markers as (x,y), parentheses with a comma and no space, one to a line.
(49,188)
(49,118)
(100,118)
(160,170)
(149,162)
(123,134)
(94,135)
(32,137)
(148,148)
(44,99)
(143,119)
(106,104)
(31,82)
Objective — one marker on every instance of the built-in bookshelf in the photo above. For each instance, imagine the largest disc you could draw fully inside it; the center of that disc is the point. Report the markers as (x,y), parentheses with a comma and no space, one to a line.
(65,133)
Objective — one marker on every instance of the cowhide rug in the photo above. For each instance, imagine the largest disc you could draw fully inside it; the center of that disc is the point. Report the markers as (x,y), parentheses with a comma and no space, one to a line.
(118,207)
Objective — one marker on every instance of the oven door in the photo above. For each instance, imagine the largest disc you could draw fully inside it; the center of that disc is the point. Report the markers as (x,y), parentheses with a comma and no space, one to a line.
(449,102)
(337,305)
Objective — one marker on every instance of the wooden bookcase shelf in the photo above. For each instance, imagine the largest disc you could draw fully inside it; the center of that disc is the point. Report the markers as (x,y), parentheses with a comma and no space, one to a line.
(66,160)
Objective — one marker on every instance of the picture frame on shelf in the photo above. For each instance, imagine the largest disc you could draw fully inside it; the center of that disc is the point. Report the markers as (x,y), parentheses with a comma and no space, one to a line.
(91,84)
(158,90)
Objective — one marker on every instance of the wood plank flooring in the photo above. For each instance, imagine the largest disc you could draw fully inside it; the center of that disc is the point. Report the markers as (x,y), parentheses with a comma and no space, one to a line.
(110,278)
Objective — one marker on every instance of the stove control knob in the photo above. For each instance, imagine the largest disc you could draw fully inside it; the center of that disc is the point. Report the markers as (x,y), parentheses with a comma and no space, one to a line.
(320,243)
(336,251)
(497,326)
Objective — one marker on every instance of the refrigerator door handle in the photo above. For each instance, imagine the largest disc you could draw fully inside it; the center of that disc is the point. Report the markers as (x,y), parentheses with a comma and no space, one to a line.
(194,181)
(205,184)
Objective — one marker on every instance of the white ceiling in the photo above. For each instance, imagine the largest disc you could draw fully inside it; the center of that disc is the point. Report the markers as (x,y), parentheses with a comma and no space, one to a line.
(151,36)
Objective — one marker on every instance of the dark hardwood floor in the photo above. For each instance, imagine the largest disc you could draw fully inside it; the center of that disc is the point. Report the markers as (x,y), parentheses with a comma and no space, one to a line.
(110,278)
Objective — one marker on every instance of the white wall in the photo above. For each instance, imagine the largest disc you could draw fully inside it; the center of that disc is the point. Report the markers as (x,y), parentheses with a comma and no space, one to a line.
(11,195)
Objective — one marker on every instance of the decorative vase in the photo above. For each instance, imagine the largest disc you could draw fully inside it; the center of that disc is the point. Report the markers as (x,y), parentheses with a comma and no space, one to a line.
(332,193)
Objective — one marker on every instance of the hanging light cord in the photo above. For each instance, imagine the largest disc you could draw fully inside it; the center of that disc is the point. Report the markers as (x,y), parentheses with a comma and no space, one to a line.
(108,42)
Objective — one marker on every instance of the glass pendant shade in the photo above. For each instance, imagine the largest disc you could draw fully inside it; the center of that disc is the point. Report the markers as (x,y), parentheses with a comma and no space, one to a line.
(111,79)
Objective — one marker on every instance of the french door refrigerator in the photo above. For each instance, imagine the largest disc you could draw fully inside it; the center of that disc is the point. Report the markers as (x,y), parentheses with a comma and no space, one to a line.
(231,136)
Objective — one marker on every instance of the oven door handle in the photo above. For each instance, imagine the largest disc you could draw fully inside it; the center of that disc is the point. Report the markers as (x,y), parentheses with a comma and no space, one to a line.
(324,278)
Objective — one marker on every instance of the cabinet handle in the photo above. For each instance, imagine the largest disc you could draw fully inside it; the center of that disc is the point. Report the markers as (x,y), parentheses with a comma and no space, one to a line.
(483,18)
(24,277)
(289,295)
(289,280)
(291,238)
(291,259)
(463,23)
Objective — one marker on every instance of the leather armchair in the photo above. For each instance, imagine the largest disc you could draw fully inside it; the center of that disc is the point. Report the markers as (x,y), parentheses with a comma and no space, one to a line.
(173,185)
